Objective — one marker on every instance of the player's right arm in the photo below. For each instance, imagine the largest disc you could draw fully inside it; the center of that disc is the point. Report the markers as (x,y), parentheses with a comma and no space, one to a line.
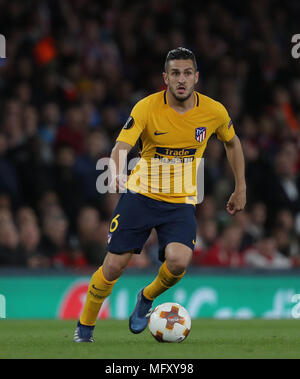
(127,138)
(117,164)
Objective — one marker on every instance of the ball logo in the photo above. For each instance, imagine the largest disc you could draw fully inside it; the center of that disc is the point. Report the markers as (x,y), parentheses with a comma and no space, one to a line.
(172,317)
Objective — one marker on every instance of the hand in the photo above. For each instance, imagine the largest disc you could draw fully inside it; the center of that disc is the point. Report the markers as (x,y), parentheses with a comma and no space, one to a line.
(119,183)
(236,202)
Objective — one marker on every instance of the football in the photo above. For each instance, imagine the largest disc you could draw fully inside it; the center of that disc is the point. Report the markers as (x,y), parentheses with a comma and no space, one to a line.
(169,322)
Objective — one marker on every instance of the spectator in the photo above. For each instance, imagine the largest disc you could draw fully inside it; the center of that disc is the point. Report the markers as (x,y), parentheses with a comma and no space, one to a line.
(54,239)
(285,234)
(91,114)
(5,201)
(30,121)
(9,181)
(96,147)
(207,233)
(255,228)
(49,124)
(264,254)
(25,215)
(11,253)
(66,183)
(283,187)
(47,201)
(207,210)
(88,228)
(55,244)
(29,235)
(225,251)
(72,133)
(29,239)
(214,159)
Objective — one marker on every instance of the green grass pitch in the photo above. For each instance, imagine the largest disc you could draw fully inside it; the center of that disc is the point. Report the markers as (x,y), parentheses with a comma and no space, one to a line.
(218,339)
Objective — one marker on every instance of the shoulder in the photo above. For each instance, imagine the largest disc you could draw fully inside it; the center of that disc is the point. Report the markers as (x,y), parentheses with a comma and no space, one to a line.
(151,100)
(212,105)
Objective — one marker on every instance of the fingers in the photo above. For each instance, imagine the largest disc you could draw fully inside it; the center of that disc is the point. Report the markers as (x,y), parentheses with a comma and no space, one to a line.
(233,208)
(120,183)
(230,209)
(236,202)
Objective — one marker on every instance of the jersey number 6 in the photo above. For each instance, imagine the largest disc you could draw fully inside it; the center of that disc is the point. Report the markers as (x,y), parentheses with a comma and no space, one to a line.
(114,223)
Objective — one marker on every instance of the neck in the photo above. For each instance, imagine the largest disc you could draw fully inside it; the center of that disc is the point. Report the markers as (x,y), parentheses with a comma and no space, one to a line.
(181,106)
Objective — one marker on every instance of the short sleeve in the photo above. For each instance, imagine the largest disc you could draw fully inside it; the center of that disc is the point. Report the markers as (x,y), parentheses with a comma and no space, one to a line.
(225,131)
(135,123)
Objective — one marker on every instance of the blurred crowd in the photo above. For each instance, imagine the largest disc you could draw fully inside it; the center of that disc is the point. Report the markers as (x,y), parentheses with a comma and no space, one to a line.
(73,71)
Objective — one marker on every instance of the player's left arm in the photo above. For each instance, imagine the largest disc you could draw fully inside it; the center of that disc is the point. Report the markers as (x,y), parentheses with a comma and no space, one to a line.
(235,156)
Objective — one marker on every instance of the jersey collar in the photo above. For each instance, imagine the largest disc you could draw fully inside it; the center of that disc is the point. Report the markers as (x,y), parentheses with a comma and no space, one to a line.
(196,102)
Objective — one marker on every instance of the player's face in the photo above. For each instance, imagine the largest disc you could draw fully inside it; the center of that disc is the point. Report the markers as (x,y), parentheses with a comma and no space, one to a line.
(181,78)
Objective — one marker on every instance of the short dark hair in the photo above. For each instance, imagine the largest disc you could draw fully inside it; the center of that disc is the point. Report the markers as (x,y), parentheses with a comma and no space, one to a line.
(180,53)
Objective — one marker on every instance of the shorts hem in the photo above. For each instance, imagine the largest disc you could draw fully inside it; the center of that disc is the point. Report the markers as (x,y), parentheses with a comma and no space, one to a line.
(136,250)
(161,251)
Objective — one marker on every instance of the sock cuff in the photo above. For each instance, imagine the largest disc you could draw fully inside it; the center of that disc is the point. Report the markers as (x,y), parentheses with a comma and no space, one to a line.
(169,274)
(108,282)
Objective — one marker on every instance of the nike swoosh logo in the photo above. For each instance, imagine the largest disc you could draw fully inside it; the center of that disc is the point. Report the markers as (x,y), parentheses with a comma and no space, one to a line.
(98,289)
(158,133)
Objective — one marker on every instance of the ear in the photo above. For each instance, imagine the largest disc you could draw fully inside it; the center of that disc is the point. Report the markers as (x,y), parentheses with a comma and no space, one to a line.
(196,77)
(165,77)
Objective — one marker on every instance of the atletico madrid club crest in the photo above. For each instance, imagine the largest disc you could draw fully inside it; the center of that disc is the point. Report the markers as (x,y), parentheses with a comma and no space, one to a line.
(200,134)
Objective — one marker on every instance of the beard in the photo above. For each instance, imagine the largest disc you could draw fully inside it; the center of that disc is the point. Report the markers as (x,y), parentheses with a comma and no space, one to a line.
(183,97)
